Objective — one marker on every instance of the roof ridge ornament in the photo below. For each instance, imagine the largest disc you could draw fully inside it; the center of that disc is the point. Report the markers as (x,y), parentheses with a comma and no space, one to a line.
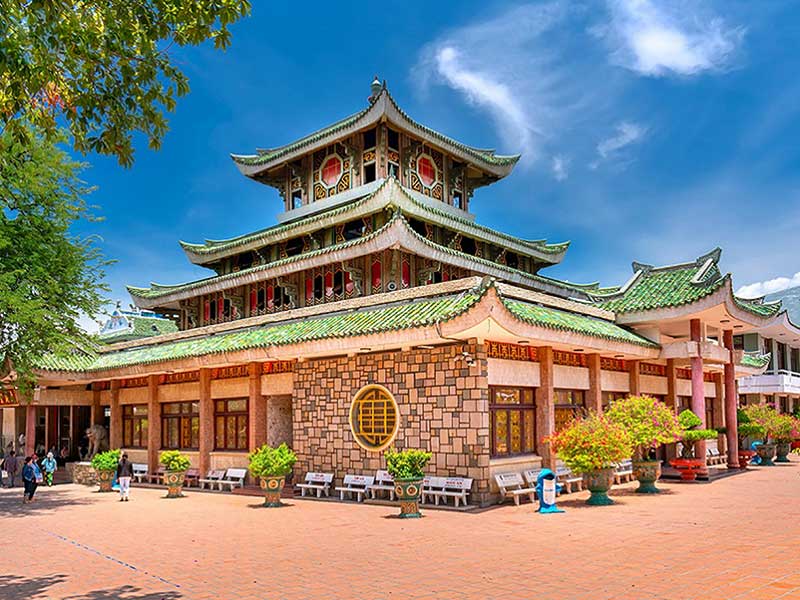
(375,88)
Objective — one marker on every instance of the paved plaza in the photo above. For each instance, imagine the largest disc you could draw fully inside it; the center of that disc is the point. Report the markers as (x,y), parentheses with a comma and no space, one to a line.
(738,537)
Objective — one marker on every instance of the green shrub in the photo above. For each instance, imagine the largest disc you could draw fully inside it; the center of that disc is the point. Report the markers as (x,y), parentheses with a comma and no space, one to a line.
(783,429)
(272,462)
(767,417)
(688,421)
(407,464)
(592,444)
(173,460)
(106,461)
(648,421)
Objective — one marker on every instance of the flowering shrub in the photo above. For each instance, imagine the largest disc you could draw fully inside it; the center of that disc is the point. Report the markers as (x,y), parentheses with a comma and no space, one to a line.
(783,428)
(689,422)
(591,444)
(648,421)
(747,428)
(767,417)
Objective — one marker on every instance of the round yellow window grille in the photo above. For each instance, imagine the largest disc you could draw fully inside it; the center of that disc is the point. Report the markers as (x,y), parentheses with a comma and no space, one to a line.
(374,418)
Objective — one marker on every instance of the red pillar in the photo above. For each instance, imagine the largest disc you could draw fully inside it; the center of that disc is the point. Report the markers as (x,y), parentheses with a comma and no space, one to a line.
(731,419)
(30,429)
(545,409)
(257,407)
(634,378)
(698,391)
(594,398)
(206,423)
(115,426)
(153,424)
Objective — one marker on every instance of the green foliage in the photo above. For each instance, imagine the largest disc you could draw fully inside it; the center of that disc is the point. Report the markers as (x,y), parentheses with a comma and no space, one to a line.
(407,464)
(768,418)
(593,443)
(106,68)
(106,461)
(48,276)
(173,460)
(648,421)
(689,435)
(783,428)
(272,462)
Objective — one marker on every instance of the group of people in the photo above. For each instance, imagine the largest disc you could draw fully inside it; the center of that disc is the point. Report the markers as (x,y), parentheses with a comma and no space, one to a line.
(32,472)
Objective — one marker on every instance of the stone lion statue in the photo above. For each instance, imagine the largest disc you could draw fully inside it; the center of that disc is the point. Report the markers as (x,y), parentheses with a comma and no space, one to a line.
(98,440)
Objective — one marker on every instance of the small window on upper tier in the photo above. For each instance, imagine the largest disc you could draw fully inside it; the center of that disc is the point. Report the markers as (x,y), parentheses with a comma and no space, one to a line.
(297,199)
(393,139)
(369,139)
(369,173)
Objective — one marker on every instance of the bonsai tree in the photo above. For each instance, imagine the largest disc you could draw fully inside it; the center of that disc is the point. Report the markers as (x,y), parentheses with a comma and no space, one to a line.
(747,428)
(592,444)
(689,434)
(272,462)
(649,423)
(173,460)
(407,464)
(783,429)
(106,461)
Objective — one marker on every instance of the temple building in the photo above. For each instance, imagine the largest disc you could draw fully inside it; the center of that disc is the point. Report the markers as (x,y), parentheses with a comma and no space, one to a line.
(378,312)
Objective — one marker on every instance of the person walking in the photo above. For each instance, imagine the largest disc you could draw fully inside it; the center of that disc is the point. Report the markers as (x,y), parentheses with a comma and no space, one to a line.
(50,466)
(124,475)
(29,480)
(11,466)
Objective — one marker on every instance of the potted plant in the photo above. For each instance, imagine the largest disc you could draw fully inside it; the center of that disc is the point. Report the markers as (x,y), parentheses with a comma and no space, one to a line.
(688,464)
(407,467)
(175,466)
(747,429)
(592,447)
(649,424)
(105,465)
(271,466)
(766,416)
(783,433)
(796,433)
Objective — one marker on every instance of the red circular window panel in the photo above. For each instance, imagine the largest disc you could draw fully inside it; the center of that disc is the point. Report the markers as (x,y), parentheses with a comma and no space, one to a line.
(332,170)
(426,170)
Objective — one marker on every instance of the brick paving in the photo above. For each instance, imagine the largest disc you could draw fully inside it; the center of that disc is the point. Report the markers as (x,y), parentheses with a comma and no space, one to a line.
(738,537)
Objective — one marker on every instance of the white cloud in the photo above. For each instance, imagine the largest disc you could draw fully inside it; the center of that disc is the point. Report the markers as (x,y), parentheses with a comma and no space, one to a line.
(770,286)
(676,37)
(627,133)
(560,166)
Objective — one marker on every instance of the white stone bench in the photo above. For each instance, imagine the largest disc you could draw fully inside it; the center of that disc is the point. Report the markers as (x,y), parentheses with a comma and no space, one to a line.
(457,488)
(568,479)
(233,478)
(384,482)
(139,472)
(355,484)
(623,471)
(211,479)
(319,482)
(713,457)
(511,484)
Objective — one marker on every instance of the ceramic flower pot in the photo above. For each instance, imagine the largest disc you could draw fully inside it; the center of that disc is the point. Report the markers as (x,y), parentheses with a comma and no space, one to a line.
(408,492)
(105,480)
(647,473)
(745,456)
(174,482)
(766,452)
(598,483)
(782,449)
(689,467)
(273,486)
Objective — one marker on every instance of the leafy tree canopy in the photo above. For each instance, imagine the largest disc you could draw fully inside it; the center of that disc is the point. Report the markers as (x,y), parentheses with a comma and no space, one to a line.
(48,276)
(102,67)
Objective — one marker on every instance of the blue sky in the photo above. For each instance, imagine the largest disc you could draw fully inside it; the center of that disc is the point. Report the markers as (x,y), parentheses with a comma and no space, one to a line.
(651,131)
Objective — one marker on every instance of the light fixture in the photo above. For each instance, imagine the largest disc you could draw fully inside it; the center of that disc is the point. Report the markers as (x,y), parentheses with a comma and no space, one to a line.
(619,356)
(365,349)
(523,342)
(577,350)
(426,347)
(724,320)
(738,326)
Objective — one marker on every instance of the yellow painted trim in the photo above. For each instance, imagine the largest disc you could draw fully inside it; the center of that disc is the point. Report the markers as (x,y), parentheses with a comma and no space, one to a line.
(356,431)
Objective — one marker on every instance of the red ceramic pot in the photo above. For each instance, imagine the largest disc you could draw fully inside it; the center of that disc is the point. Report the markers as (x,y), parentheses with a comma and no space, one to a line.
(689,467)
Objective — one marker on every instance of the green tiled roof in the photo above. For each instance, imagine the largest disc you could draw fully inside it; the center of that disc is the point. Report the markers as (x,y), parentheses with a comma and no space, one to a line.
(157,290)
(266,235)
(143,326)
(408,315)
(267,156)
(756,361)
(676,285)
(560,320)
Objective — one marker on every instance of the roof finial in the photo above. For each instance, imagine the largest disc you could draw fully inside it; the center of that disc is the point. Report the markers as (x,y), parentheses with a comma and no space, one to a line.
(375,88)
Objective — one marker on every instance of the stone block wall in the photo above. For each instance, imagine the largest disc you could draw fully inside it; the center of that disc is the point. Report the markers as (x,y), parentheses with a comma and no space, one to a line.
(443,404)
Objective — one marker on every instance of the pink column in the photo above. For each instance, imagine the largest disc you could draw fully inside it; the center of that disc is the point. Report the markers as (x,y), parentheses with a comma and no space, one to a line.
(594,397)
(30,429)
(731,420)
(698,392)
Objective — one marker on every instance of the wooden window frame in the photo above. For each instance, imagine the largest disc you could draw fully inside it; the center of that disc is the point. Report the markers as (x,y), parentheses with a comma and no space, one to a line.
(227,414)
(179,417)
(522,408)
(128,416)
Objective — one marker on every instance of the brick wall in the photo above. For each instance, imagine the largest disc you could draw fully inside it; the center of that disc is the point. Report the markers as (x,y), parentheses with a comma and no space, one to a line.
(443,406)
